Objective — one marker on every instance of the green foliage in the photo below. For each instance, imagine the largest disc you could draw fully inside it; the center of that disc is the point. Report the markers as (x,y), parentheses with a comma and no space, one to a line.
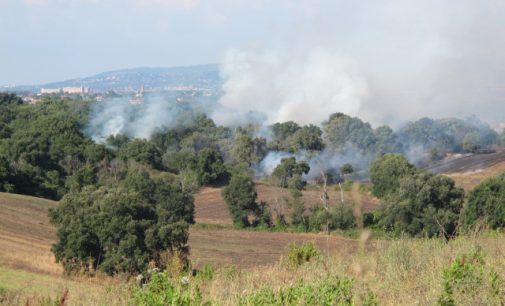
(10,99)
(347,169)
(206,273)
(289,136)
(297,208)
(240,196)
(448,135)
(210,168)
(486,201)
(422,205)
(336,217)
(342,131)
(288,169)
(141,151)
(386,141)
(386,173)
(247,149)
(467,281)
(163,290)
(327,291)
(122,228)
(300,254)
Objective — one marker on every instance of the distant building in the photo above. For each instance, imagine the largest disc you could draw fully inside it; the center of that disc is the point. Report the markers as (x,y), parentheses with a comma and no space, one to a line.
(65,90)
(50,90)
(75,90)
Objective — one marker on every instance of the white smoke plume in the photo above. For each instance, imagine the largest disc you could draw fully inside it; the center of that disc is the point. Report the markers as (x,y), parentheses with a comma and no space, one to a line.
(119,116)
(385,61)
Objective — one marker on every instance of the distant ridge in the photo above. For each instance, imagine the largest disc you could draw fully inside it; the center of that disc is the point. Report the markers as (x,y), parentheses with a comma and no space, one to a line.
(203,77)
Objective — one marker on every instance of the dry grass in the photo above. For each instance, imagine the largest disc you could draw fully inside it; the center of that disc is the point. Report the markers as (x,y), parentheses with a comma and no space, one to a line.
(401,272)
(468,180)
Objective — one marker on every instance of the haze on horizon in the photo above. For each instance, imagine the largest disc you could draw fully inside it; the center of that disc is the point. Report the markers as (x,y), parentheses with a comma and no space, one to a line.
(381,61)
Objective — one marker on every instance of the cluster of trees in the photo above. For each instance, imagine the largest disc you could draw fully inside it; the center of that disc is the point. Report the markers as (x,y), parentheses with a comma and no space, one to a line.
(427,138)
(423,204)
(123,226)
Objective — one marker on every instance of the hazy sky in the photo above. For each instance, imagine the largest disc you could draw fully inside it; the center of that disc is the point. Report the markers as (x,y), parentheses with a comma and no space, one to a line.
(51,40)
(384,61)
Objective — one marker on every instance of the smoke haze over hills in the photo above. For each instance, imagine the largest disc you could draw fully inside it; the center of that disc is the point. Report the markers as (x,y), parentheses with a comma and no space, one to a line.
(386,62)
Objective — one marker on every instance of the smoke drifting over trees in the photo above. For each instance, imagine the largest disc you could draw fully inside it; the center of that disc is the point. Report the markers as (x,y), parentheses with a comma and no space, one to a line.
(386,62)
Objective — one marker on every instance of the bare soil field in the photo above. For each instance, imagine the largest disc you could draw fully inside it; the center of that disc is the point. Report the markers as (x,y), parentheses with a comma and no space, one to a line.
(26,238)
(210,207)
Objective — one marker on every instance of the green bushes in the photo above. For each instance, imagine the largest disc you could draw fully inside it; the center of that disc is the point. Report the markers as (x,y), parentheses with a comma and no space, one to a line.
(162,290)
(336,217)
(299,254)
(486,201)
(327,291)
(468,281)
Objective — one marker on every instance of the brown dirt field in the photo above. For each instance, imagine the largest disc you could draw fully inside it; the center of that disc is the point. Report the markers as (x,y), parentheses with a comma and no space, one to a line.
(26,235)
(26,238)
(210,207)
(248,249)
(468,180)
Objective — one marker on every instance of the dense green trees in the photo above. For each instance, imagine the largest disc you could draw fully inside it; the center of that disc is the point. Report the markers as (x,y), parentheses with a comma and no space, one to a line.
(122,228)
(240,196)
(289,136)
(386,172)
(342,131)
(289,171)
(487,202)
(141,151)
(422,205)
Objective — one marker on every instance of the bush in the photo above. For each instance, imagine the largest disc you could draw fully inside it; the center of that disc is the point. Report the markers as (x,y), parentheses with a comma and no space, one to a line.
(162,290)
(338,217)
(486,201)
(467,281)
(328,291)
(299,254)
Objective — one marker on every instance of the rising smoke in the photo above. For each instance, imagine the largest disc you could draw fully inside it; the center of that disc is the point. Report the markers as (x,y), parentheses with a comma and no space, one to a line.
(384,61)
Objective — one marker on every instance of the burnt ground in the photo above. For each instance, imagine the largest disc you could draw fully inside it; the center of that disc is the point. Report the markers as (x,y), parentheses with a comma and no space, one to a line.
(468,163)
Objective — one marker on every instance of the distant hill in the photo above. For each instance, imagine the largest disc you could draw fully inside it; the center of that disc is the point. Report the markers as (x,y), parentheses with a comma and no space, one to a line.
(201,77)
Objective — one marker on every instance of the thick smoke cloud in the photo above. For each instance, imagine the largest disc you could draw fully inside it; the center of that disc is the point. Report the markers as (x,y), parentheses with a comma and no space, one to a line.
(384,61)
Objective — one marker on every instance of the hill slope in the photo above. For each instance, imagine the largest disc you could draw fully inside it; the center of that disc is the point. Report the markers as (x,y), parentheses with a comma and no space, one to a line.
(203,77)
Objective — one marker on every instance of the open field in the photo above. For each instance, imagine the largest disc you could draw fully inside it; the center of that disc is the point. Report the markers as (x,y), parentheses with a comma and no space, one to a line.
(400,272)
(26,238)
(210,207)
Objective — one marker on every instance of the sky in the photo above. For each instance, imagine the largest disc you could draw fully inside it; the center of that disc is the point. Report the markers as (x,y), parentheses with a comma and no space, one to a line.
(53,40)
(384,61)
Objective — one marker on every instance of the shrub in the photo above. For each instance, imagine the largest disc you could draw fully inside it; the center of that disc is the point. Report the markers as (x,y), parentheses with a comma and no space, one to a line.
(162,290)
(338,217)
(486,201)
(299,254)
(328,291)
(467,281)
